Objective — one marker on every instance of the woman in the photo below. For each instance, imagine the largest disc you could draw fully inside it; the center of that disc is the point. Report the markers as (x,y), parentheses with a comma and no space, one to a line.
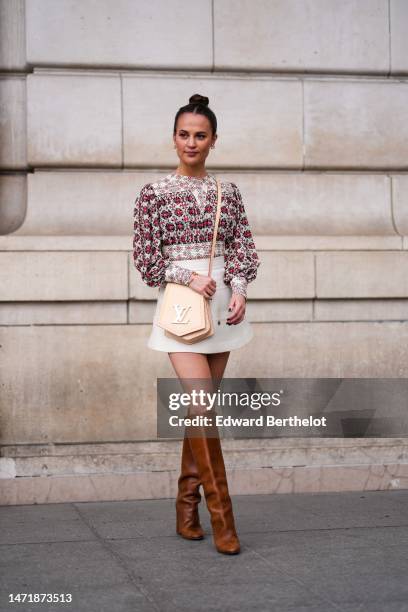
(173,224)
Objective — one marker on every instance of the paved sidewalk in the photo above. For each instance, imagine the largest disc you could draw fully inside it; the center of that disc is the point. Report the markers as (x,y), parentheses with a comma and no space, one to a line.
(300,552)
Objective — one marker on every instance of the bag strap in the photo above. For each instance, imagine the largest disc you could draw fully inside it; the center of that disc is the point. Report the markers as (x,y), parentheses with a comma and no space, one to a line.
(217,218)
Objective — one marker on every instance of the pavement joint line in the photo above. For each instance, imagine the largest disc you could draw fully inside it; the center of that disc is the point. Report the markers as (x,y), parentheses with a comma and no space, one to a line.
(323,529)
(45,542)
(119,560)
(295,579)
(241,532)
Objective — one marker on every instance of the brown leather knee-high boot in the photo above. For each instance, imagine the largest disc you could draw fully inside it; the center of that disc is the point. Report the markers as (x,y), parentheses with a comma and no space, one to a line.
(206,448)
(188,497)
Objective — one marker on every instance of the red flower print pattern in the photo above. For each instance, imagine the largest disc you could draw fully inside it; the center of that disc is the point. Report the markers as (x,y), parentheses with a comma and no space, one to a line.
(166,221)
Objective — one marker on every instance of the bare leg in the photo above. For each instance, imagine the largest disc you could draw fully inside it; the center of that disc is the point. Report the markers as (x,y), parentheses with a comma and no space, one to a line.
(190,365)
(218,363)
(199,365)
(209,367)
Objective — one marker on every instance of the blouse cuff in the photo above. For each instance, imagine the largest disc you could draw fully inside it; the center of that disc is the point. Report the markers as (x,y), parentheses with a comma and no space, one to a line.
(239,285)
(177,274)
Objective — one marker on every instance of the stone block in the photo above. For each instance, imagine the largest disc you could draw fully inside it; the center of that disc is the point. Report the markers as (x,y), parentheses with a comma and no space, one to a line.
(361,349)
(361,310)
(15,242)
(82,203)
(63,313)
(270,311)
(307,36)
(316,203)
(13,202)
(283,275)
(126,34)
(43,276)
(142,311)
(356,124)
(362,275)
(241,481)
(74,120)
(12,35)
(398,33)
(13,135)
(400,202)
(78,383)
(150,470)
(325,243)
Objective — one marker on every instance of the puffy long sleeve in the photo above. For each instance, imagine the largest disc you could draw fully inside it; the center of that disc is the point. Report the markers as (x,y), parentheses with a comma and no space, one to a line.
(241,259)
(154,268)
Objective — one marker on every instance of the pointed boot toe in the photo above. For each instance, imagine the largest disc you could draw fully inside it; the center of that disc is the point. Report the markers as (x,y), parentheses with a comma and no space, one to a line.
(229,547)
(191,533)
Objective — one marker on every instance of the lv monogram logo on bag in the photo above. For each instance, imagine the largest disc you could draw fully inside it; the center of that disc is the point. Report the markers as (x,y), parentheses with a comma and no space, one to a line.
(181,313)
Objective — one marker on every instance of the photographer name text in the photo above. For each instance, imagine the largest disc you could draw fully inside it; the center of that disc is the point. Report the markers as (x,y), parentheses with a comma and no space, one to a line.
(260,421)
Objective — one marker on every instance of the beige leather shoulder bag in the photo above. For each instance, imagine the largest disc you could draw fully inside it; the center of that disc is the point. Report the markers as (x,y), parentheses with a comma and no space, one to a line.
(185,314)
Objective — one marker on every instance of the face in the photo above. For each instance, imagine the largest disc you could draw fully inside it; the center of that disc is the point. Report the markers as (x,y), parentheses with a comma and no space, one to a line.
(193,138)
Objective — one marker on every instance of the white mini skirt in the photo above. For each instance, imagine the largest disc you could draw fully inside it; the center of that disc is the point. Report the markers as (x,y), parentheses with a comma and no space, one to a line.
(225,337)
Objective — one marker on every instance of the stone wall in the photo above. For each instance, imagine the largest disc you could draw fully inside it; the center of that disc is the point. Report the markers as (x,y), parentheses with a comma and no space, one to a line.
(312,102)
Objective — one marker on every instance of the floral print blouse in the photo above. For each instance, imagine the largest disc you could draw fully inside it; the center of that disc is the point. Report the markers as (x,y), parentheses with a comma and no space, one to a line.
(174,219)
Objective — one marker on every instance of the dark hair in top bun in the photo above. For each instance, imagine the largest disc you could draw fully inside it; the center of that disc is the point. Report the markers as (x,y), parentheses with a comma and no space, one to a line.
(197,99)
(197,104)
